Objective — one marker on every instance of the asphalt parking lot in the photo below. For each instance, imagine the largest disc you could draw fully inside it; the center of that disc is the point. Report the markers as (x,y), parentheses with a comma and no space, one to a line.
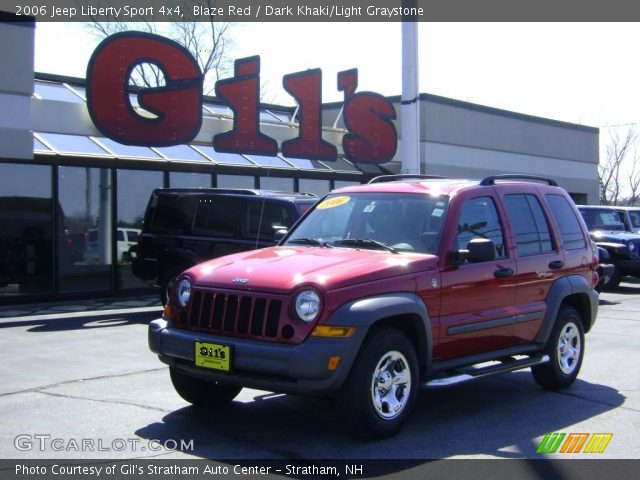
(73,376)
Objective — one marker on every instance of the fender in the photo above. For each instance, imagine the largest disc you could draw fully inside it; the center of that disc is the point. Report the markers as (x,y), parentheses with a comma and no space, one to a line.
(366,312)
(615,250)
(561,289)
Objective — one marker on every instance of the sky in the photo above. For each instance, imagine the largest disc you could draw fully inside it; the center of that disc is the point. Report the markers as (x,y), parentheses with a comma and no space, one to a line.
(585,73)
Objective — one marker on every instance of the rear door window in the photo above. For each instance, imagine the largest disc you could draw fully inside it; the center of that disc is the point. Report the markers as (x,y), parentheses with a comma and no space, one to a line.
(566,221)
(267,218)
(218,215)
(173,214)
(529,224)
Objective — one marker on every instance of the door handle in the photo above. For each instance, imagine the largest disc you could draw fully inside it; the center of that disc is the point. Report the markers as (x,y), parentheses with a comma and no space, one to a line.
(556,264)
(503,273)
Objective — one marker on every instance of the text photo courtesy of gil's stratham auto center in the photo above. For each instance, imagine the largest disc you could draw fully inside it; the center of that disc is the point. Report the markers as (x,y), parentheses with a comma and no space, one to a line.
(311,240)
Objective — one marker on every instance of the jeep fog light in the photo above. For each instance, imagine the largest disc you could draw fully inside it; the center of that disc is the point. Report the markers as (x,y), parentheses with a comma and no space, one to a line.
(184,292)
(307,305)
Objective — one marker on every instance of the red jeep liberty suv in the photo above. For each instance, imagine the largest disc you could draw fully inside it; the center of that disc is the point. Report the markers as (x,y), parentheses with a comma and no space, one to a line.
(409,281)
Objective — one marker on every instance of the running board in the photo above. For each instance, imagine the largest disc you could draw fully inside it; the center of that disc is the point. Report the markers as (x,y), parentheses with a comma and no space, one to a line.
(471,373)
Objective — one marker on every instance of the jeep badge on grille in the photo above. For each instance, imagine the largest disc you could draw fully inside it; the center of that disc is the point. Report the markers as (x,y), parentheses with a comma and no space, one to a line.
(240,280)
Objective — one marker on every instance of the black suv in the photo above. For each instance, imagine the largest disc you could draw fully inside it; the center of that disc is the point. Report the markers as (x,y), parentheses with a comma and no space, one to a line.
(183,227)
(607,228)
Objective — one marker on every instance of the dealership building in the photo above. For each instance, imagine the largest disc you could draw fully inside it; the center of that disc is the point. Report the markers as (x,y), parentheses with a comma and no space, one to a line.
(67,191)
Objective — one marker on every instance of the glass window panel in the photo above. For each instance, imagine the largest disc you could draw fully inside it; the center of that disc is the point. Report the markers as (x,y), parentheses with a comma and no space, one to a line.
(218,216)
(341,165)
(182,152)
(81,90)
(369,167)
(220,157)
(306,164)
(270,217)
(317,187)
(479,219)
(276,183)
(73,144)
(219,109)
(567,222)
(268,116)
(265,161)
(283,117)
(235,181)
(54,91)
(84,257)
(344,183)
(26,224)
(127,150)
(134,189)
(39,146)
(189,180)
(532,232)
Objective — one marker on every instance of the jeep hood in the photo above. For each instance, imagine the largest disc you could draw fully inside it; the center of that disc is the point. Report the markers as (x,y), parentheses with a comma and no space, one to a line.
(619,236)
(283,269)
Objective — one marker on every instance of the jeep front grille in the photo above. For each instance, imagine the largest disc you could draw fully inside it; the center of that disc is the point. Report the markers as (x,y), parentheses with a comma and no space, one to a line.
(235,314)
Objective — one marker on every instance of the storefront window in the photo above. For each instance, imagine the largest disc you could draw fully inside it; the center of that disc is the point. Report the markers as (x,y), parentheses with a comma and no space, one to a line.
(84,252)
(235,181)
(134,190)
(318,187)
(26,230)
(189,180)
(276,183)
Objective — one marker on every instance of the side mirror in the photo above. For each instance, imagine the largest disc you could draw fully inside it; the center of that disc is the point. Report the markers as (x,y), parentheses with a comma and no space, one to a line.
(481,250)
(280,234)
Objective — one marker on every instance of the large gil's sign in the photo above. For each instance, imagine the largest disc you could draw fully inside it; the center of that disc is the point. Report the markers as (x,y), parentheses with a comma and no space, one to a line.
(177,105)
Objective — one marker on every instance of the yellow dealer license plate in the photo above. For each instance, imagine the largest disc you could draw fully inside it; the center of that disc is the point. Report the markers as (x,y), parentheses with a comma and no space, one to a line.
(213,355)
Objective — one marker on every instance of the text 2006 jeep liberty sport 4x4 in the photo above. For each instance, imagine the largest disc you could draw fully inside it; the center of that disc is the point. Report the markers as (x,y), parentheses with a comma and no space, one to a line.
(387,287)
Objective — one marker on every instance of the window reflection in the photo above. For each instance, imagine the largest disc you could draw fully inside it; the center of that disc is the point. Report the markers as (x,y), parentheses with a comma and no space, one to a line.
(26,224)
(134,190)
(84,255)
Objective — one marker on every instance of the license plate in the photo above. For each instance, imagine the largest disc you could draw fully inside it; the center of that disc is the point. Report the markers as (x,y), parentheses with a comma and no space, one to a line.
(213,355)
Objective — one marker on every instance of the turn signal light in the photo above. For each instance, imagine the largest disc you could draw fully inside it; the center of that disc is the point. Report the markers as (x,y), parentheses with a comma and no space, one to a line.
(333,331)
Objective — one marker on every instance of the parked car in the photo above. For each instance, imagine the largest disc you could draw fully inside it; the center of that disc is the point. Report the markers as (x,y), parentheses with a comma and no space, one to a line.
(380,289)
(126,240)
(183,227)
(607,229)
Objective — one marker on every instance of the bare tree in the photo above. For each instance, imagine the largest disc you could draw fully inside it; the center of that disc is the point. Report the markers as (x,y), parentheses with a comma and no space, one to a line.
(619,173)
(209,42)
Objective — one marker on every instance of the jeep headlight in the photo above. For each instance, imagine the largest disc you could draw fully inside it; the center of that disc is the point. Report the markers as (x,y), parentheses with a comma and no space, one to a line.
(183,292)
(307,305)
(632,246)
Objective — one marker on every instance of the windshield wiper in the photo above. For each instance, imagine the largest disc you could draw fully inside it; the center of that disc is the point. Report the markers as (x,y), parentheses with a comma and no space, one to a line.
(369,242)
(309,241)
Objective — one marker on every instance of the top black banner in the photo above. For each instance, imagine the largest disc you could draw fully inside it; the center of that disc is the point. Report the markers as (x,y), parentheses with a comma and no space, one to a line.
(324,10)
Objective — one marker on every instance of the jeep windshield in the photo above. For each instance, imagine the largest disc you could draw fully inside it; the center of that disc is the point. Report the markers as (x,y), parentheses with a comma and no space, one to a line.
(602,219)
(393,222)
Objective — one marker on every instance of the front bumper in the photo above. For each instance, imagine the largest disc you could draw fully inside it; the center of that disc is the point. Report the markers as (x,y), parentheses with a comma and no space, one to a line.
(629,266)
(301,369)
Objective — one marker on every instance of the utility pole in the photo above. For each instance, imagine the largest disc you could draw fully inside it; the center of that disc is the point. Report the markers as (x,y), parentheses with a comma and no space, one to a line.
(410,100)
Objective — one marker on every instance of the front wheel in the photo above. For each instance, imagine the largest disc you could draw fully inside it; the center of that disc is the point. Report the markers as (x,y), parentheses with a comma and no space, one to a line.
(613,282)
(381,389)
(565,349)
(202,393)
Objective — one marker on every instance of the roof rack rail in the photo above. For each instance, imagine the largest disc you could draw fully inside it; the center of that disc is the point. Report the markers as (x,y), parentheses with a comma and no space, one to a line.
(511,176)
(405,176)
(239,191)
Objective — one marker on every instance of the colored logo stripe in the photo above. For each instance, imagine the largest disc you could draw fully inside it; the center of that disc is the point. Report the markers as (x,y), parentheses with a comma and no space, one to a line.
(598,442)
(574,443)
(550,443)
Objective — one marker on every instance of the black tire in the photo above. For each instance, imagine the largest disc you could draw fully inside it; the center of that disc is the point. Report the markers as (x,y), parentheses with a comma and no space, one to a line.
(614,281)
(202,393)
(565,349)
(390,353)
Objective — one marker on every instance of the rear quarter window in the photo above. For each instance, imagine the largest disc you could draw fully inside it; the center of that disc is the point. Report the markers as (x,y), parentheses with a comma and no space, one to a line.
(566,221)
(172,214)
